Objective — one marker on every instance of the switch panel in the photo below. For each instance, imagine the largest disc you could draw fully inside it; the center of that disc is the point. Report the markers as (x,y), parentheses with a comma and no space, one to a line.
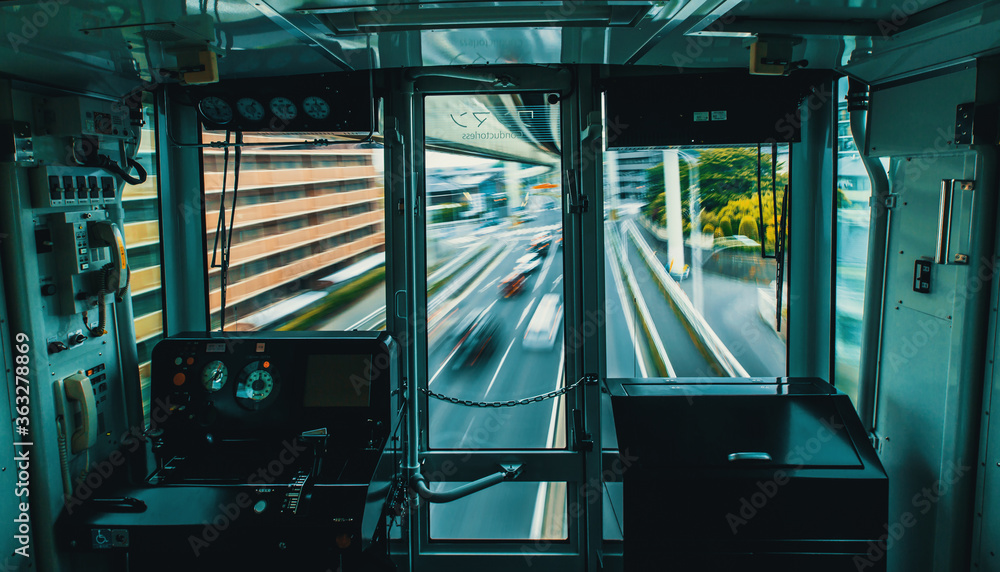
(54,186)
(77,258)
(922,276)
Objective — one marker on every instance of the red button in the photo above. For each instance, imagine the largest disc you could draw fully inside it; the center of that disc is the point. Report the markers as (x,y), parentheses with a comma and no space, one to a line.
(179,378)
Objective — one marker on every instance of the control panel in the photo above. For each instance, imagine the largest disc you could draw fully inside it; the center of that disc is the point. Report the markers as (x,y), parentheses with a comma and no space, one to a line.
(271,385)
(56,186)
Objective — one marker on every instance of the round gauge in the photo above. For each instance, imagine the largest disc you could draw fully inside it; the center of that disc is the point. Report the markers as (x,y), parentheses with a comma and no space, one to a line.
(214,376)
(250,108)
(216,109)
(316,107)
(257,386)
(283,108)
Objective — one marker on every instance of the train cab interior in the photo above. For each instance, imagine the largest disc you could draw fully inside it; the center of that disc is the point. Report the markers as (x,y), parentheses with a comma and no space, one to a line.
(561,285)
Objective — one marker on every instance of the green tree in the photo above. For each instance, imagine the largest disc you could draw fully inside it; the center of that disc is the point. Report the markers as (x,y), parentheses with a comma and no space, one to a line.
(726,226)
(748,228)
(708,228)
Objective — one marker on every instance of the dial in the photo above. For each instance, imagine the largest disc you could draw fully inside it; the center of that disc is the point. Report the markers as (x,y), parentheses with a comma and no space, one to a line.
(257,386)
(316,107)
(214,376)
(216,109)
(283,108)
(250,108)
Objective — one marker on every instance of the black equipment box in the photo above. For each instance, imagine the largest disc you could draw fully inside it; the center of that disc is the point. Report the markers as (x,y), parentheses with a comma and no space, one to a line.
(730,474)
(271,449)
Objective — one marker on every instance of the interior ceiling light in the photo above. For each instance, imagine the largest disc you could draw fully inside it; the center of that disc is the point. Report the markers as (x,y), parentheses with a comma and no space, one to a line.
(451,15)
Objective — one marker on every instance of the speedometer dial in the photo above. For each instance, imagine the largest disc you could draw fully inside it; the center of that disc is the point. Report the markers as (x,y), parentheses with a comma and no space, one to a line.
(283,108)
(316,107)
(250,108)
(216,109)
(257,386)
(214,376)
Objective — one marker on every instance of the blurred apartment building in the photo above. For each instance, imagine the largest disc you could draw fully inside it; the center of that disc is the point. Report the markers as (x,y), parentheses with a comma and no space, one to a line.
(301,215)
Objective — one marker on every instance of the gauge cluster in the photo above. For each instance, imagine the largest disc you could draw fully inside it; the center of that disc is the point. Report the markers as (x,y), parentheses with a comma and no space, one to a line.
(317,103)
(219,386)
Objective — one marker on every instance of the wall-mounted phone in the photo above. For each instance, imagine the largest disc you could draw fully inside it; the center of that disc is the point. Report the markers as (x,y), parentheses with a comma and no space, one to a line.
(77,388)
(91,263)
(76,419)
(116,274)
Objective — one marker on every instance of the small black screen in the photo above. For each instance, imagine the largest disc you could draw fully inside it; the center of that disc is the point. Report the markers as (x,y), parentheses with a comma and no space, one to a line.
(338,380)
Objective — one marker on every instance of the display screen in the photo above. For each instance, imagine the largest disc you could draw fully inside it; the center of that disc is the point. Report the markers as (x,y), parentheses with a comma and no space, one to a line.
(338,380)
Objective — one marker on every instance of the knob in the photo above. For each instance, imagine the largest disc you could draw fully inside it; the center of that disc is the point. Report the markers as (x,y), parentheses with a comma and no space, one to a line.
(77,339)
(48,289)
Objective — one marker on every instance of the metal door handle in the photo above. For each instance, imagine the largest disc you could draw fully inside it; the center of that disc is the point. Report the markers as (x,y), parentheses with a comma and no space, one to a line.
(748,456)
(945,208)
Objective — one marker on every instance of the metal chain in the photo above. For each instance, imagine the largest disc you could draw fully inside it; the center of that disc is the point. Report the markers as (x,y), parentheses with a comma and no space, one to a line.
(585,380)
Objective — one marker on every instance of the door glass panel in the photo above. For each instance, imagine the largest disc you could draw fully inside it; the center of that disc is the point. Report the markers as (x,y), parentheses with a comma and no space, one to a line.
(508,511)
(494,269)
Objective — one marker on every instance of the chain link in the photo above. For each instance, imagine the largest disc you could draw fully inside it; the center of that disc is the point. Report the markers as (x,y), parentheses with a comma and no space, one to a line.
(585,380)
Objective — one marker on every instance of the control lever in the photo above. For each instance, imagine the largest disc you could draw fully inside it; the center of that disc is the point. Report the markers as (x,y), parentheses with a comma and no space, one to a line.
(317,439)
(296,496)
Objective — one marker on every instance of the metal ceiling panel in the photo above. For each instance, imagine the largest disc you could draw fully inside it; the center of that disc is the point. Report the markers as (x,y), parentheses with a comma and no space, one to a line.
(113,46)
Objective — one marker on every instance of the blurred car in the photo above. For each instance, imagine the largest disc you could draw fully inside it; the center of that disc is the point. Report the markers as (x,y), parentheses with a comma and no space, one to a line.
(540,243)
(528,263)
(477,337)
(513,283)
(545,324)
(683,272)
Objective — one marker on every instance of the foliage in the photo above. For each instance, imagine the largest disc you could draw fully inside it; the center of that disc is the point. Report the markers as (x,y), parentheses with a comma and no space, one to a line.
(726,226)
(727,192)
(748,227)
(842,201)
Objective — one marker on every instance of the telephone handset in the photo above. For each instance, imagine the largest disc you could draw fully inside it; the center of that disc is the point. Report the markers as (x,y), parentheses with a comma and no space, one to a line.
(78,388)
(116,273)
